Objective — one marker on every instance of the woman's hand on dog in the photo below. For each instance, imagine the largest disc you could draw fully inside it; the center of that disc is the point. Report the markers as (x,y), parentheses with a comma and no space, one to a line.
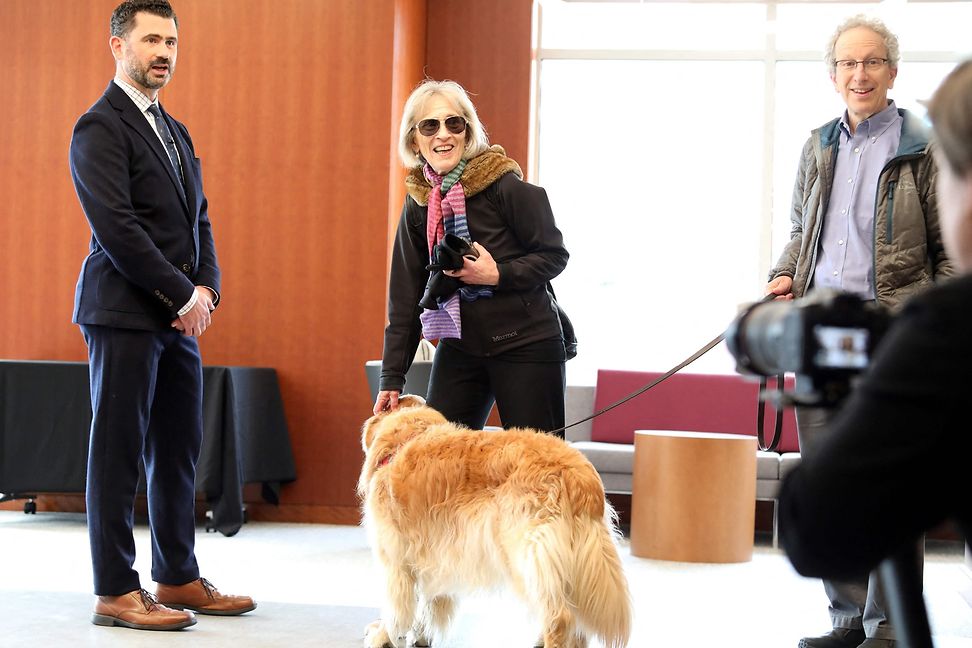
(386,401)
(477,272)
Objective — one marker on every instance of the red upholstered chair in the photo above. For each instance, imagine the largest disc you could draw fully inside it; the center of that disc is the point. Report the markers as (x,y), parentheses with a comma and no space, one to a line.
(685,401)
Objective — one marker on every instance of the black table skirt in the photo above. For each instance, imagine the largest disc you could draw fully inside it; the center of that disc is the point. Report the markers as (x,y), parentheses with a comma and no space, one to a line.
(45,420)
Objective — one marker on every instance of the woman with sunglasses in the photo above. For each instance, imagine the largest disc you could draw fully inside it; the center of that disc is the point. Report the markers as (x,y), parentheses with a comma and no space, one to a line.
(492,245)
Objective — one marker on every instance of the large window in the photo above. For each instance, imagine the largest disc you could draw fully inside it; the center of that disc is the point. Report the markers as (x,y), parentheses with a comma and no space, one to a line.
(668,136)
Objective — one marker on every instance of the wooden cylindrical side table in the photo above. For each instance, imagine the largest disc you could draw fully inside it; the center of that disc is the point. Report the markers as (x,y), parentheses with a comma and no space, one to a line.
(694,496)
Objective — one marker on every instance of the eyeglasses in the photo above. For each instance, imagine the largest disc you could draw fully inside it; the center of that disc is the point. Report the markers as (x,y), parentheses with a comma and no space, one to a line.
(430,127)
(849,65)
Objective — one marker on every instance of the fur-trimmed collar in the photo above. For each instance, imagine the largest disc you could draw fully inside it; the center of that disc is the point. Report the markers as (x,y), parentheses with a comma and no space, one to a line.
(480,172)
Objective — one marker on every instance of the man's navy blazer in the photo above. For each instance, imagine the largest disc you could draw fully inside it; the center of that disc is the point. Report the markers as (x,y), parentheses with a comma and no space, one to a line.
(151,238)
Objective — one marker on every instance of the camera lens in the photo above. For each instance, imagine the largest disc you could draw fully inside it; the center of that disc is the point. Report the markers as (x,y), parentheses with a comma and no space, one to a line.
(762,341)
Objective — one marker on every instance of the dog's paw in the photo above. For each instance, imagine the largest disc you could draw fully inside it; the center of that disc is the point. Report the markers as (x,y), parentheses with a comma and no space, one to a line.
(418,639)
(377,637)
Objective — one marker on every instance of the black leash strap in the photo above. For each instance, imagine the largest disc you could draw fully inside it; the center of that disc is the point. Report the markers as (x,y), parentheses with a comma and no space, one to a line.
(761,416)
(695,356)
(674,370)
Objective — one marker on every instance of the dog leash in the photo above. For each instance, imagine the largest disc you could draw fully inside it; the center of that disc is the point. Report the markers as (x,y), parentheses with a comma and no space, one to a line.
(668,374)
(681,365)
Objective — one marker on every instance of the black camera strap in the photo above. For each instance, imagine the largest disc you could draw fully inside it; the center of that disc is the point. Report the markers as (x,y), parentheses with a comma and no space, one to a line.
(761,416)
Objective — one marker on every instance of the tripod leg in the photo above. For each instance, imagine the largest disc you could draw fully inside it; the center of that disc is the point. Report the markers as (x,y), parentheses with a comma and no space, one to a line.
(902,582)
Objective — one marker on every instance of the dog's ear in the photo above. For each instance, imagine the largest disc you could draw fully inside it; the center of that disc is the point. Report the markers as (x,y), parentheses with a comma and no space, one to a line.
(410,400)
(368,431)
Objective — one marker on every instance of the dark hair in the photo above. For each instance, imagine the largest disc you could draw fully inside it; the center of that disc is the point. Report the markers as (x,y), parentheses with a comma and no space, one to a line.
(950,110)
(123,17)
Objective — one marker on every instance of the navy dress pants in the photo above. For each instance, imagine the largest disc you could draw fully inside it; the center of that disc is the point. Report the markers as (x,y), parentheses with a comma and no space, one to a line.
(146,402)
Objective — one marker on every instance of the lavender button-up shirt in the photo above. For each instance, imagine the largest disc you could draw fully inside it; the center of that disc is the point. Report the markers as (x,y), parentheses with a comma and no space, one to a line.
(845,258)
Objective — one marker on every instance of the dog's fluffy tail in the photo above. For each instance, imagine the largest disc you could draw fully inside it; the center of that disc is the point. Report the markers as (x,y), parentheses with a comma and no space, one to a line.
(600,591)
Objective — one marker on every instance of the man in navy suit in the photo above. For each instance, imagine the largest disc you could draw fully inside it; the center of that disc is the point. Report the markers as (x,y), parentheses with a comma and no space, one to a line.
(146,292)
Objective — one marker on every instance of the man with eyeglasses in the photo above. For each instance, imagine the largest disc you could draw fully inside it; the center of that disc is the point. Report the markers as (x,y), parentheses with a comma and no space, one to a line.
(864,220)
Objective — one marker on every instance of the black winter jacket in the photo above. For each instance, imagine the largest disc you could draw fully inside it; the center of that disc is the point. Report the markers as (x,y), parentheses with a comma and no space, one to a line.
(512,219)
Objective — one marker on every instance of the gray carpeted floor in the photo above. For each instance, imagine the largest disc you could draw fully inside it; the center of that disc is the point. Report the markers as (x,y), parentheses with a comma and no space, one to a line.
(316,586)
(272,624)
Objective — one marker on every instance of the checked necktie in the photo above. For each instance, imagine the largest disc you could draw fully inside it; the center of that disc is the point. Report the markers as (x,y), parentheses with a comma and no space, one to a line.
(167,140)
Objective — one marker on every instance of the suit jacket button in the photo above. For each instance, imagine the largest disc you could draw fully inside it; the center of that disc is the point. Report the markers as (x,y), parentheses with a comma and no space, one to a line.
(185,267)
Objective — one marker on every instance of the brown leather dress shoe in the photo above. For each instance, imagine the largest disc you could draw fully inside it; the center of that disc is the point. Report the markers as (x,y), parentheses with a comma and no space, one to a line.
(139,610)
(200,595)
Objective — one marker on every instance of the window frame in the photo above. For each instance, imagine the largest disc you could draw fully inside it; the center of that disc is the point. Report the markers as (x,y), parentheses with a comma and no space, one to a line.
(770,56)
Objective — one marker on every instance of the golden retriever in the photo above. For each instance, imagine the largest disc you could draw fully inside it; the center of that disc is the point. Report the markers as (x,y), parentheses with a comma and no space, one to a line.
(451,510)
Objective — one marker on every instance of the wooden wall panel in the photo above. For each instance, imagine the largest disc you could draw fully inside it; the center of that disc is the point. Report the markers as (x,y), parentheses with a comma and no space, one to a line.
(289,102)
(293,106)
(486,47)
(409,61)
(50,76)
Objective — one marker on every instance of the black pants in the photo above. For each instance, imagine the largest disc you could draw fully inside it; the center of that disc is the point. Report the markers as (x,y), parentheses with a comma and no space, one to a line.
(146,402)
(527,394)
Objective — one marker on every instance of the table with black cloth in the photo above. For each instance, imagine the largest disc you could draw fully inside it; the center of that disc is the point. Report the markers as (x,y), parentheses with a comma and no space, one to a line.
(45,420)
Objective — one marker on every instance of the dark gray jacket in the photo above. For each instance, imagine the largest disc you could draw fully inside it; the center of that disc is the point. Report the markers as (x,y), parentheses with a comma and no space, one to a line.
(908,251)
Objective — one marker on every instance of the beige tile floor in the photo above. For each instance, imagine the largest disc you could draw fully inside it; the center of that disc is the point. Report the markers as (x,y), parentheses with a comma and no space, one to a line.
(316,586)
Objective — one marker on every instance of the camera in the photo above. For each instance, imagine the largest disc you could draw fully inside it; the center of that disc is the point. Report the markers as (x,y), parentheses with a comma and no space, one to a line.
(448,254)
(826,339)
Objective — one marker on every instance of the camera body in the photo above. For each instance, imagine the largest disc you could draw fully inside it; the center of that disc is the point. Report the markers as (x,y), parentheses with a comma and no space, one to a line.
(826,339)
(448,254)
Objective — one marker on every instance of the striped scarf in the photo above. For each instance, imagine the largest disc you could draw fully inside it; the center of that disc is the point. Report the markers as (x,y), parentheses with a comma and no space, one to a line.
(447,214)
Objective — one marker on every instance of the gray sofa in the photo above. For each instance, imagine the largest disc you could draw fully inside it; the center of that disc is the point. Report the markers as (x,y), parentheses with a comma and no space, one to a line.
(615,461)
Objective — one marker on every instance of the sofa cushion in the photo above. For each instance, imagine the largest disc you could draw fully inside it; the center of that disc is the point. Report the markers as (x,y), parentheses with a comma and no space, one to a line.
(685,401)
(767,465)
(617,482)
(608,457)
(619,458)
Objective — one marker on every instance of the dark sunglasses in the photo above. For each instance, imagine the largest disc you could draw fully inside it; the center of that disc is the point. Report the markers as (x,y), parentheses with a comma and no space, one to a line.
(430,127)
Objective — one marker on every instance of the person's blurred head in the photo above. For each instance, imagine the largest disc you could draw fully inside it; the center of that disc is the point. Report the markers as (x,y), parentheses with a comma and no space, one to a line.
(950,110)
(427,133)
(144,42)
(862,57)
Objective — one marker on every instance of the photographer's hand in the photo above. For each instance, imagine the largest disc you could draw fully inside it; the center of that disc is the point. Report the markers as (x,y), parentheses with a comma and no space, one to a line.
(477,272)
(782,287)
